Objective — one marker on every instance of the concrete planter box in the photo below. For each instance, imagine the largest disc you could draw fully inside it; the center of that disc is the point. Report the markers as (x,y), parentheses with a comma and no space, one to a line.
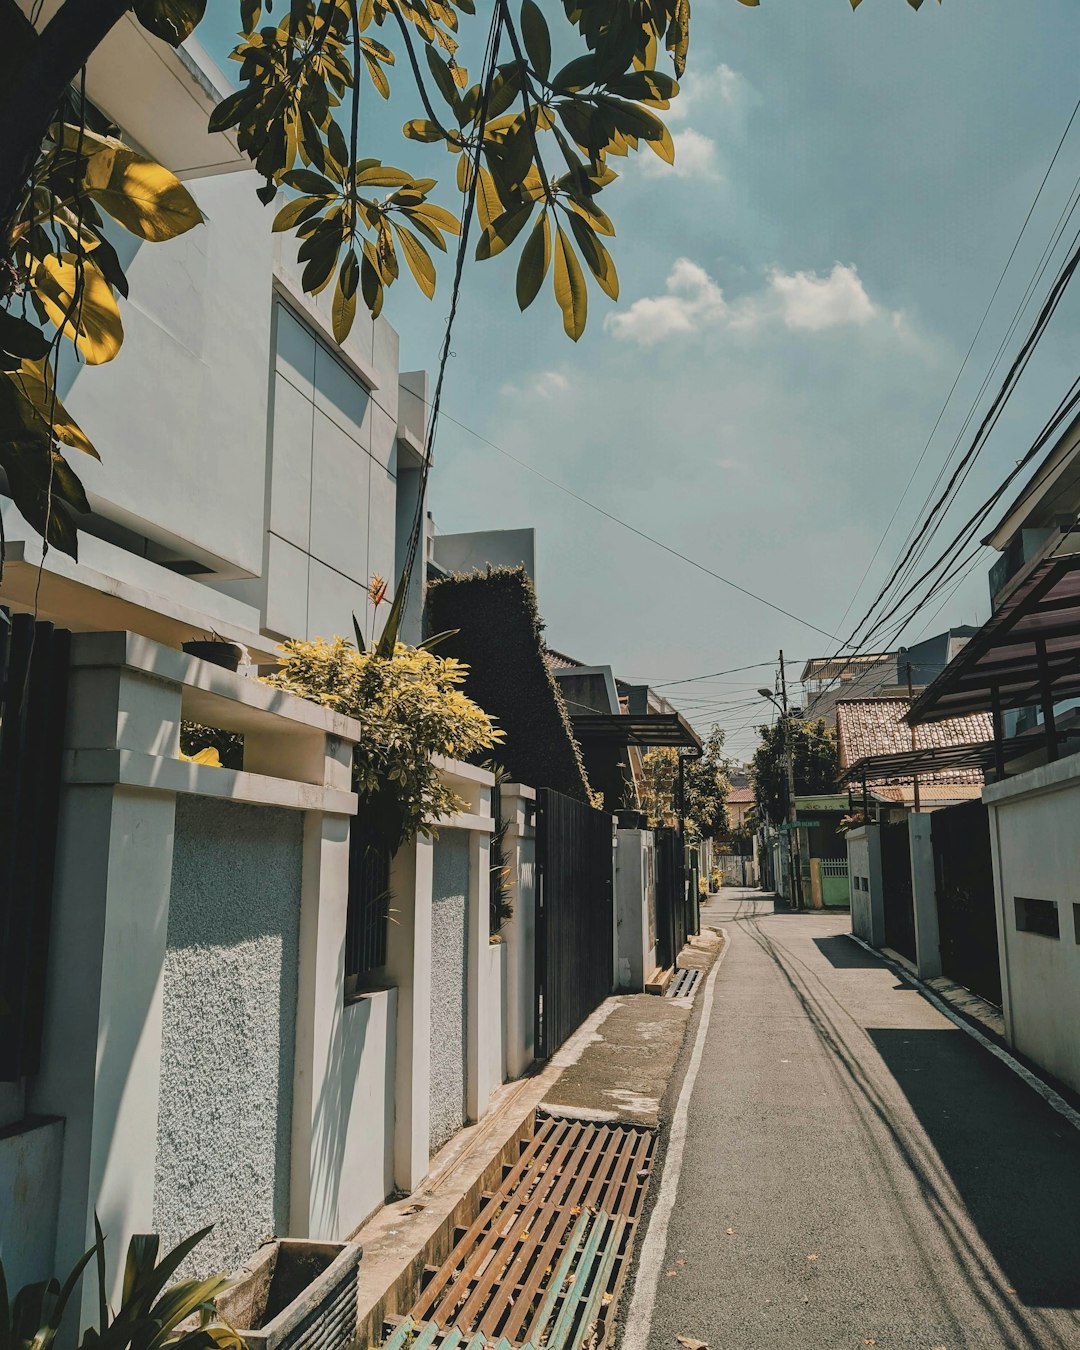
(296,1295)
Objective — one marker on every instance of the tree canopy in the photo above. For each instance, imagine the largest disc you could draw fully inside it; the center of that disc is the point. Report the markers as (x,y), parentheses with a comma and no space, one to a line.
(533,139)
(706,784)
(814,759)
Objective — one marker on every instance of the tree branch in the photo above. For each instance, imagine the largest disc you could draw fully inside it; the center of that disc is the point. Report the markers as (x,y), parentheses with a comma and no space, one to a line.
(29,99)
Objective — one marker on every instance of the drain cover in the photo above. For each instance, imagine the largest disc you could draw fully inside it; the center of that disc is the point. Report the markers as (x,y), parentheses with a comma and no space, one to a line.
(544,1260)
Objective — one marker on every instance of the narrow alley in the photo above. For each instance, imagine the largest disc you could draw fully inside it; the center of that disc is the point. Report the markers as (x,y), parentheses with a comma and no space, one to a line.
(855,1169)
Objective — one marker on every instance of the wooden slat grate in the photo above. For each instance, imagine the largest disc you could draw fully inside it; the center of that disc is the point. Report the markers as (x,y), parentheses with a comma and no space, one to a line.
(544,1259)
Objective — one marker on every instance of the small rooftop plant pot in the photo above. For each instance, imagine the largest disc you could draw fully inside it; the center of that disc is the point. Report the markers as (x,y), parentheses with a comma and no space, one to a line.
(219,653)
(295,1294)
(632,820)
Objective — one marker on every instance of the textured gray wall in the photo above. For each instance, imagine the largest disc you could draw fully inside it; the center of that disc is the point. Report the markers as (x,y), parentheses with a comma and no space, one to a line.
(449,984)
(228,1031)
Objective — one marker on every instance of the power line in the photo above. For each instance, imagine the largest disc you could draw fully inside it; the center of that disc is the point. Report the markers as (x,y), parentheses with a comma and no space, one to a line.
(641,534)
(967,357)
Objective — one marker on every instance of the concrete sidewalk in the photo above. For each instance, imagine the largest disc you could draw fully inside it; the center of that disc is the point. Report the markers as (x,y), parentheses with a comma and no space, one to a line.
(616,1066)
(857,1170)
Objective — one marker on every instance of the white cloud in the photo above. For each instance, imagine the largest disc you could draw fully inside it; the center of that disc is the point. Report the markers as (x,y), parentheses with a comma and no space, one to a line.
(547,384)
(706,89)
(693,301)
(808,301)
(801,301)
(696,156)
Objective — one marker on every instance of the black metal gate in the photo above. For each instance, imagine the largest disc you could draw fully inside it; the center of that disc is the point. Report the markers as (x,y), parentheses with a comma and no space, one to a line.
(574,916)
(670,899)
(967,918)
(33,700)
(896,885)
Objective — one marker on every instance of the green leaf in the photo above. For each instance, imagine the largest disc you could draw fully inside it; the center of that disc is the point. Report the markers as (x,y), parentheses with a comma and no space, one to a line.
(503,230)
(420,130)
(596,256)
(171,20)
(534,31)
(20,338)
(533,263)
(418,260)
(444,80)
(570,289)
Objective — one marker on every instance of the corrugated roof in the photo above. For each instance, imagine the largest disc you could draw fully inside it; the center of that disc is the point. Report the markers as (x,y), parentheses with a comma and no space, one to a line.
(875,726)
(938,793)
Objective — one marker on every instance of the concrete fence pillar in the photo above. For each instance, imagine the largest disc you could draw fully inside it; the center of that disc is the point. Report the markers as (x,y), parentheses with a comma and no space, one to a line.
(924,896)
(867,890)
(101,1044)
(408,965)
(519,931)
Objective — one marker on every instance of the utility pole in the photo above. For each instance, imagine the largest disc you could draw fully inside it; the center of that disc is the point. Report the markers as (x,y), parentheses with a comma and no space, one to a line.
(789,766)
(911,699)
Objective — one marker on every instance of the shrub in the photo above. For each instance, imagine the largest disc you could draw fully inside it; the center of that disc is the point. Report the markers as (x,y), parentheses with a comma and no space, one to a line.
(411,707)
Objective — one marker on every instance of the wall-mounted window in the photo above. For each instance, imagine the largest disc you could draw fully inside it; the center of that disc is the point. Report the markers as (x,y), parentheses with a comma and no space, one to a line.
(1036,916)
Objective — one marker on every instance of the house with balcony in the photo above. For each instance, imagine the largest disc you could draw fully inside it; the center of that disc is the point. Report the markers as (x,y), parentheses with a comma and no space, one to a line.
(203,1018)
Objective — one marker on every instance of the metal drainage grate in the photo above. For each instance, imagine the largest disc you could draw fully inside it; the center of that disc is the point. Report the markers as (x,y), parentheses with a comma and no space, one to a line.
(544,1260)
(685,984)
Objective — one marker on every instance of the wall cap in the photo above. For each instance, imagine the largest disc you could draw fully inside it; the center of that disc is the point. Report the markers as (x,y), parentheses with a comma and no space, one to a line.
(1061,774)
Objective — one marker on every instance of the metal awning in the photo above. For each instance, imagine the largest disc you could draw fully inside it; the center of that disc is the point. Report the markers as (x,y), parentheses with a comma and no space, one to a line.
(1028,654)
(906,765)
(641,729)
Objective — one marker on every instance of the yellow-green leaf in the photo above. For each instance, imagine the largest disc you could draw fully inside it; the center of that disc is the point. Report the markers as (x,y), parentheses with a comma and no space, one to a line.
(570,286)
(34,379)
(596,256)
(418,260)
(91,319)
(533,263)
(145,198)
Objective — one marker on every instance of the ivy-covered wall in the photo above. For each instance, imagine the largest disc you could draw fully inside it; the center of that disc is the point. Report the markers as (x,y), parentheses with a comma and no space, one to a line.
(500,638)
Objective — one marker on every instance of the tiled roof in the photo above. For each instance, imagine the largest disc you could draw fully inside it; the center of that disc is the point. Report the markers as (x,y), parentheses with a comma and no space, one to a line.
(559,661)
(876,726)
(740,796)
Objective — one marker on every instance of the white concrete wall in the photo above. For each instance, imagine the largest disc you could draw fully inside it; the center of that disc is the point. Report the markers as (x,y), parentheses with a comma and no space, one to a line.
(635,909)
(364,1146)
(924,896)
(448,1048)
(1035,839)
(519,933)
(228,1033)
(30,1163)
(864,873)
(106,1047)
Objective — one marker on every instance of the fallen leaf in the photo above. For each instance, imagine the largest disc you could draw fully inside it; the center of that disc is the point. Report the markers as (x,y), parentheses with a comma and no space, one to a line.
(730,1232)
(606,1298)
(671,1273)
(680,1261)
(413,1209)
(689,1343)
(812,1256)
(869,1340)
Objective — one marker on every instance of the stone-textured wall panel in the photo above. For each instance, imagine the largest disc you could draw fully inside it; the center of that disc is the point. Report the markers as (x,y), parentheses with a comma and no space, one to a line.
(449,985)
(228,1033)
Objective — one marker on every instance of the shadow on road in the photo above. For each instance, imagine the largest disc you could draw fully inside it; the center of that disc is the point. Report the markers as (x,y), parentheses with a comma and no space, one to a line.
(1018,1179)
(844,954)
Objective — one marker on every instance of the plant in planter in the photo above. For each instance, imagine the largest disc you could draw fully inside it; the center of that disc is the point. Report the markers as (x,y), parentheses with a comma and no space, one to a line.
(502,906)
(218,651)
(411,707)
(153,1314)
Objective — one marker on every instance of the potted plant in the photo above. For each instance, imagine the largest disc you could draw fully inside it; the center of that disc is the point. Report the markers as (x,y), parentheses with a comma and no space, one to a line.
(218,651)
(295,1292)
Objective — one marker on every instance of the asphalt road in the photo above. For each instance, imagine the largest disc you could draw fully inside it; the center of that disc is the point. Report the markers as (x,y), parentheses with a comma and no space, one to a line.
(858,1171)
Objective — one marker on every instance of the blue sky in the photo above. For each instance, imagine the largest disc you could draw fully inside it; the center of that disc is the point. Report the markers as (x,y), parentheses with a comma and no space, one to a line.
(798,293)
